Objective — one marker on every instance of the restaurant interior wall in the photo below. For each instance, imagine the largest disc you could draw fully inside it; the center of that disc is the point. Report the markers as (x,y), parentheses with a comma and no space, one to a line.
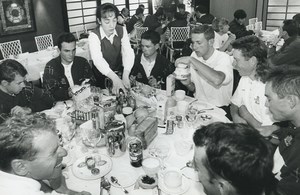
(48,19)
(226,8)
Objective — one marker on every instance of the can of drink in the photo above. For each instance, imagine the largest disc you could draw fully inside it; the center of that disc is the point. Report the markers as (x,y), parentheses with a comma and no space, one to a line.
(170,127)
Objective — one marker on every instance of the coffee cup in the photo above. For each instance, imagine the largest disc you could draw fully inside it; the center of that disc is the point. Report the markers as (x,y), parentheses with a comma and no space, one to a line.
(172,178)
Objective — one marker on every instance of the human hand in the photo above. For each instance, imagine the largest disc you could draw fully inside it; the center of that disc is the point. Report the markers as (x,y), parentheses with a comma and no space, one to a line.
(18,110)
(183,60)
(117,85)
(152,81)
(126,80)
(231,37)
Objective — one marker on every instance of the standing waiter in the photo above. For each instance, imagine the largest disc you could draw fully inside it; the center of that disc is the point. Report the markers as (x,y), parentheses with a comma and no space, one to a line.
(110,49)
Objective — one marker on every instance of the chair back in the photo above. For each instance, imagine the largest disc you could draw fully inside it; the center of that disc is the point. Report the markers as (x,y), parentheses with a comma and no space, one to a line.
(179,33)
(10,48)
(43,42)
(139,32)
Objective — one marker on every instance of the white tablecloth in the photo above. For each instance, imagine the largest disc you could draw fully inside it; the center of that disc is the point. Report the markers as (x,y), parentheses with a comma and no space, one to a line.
(123,162)
(35,62)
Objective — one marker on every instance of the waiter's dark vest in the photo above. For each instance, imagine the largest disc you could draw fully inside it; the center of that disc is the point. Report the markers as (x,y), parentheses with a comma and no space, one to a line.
(111,53)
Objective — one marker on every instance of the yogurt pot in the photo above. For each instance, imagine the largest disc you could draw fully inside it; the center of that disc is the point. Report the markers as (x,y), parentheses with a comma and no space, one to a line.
(182,72)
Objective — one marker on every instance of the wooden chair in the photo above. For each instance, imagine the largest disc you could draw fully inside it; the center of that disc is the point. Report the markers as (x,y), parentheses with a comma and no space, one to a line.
(43,42)
(10,48)
(178,36)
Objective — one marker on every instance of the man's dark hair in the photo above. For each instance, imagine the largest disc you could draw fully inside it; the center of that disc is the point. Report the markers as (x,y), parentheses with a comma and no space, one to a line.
(16,137)
(181,6)
(106,8)
(139,11)
(65,37)
(152,36)
(159,12)
(285,80)
(10,68)
(252,46)
(291,27)
(238,154)
(202,9)
(207,30)
(141,6)
(296,17)
(240,14)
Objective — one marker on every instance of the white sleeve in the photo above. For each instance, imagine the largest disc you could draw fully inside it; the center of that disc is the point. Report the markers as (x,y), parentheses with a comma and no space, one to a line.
(237,98)
(225,66)
(96,54)
(127,51)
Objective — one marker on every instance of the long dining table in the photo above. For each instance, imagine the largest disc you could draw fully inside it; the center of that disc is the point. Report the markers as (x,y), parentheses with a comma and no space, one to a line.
(121,168)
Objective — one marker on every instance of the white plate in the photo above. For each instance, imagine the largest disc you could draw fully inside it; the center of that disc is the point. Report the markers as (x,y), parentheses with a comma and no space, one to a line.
(175,191)
(125,178)
(190,173)
(85,173)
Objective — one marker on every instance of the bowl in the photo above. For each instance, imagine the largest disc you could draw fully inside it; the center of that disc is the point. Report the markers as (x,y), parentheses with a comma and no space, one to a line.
(142,181)
(179,95)
(151,165)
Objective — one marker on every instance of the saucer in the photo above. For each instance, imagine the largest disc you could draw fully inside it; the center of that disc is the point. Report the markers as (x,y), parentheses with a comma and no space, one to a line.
(181,76)
(125,177)
(175,191)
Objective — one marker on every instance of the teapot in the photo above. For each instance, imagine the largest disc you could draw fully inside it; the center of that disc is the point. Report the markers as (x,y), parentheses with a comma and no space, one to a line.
(115,138)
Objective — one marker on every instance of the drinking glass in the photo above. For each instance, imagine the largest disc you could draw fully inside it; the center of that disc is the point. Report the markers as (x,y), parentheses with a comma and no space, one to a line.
(92,137)
(162,152)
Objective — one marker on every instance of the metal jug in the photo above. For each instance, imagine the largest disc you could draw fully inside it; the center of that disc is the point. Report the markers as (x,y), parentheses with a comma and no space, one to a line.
(115,138)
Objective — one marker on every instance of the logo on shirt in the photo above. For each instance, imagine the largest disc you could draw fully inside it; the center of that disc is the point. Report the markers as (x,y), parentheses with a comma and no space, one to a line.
(63,81)
(288,140)
(139,75)
(256,100)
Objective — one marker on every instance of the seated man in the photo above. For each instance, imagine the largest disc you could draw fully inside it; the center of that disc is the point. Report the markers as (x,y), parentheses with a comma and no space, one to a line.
(211,77)
(16,95)
(283,95)
(66,70)
(150,67)
(237,26)
(123,17)
(181,9)
(223,38)
(136,18)
(30,153)
(248,101)
(153,22)
(233,159)
(289,52)
(202,16)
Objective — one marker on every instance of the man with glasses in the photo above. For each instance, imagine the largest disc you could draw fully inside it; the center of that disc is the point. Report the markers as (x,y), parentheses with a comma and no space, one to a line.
(30,153)
(16,95)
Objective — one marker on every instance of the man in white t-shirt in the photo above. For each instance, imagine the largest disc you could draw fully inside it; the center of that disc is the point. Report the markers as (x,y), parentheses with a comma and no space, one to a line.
(248,101)
(30,153)
(211,70)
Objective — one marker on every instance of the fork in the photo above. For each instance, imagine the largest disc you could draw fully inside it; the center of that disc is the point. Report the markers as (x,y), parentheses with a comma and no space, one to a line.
(104,184)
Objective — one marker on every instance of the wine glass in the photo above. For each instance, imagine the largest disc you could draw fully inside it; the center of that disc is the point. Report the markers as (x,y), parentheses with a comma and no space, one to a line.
(162,152)
(92,137)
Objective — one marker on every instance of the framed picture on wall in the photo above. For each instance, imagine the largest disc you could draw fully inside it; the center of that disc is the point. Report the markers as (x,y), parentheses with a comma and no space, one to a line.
(16,16)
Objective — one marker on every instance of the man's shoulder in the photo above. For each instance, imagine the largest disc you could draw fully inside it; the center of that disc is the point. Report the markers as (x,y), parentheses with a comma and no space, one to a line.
(54,61)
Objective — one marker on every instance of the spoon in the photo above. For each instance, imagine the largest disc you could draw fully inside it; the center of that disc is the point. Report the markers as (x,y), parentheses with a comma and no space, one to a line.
(105,184)
(115,181)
